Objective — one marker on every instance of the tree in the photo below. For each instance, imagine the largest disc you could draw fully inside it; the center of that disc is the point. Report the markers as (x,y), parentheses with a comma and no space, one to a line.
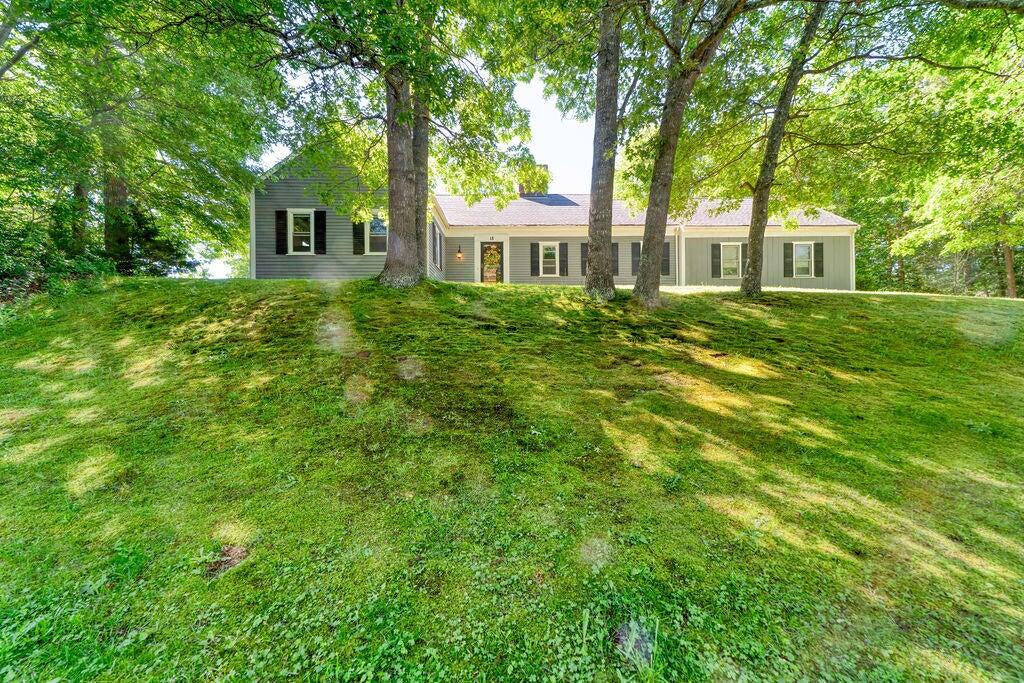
(682,76)
(973,212)
(599,281)
(751,284)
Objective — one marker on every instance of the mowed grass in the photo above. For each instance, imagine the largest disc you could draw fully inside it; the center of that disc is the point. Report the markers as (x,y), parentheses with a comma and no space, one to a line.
(507,483)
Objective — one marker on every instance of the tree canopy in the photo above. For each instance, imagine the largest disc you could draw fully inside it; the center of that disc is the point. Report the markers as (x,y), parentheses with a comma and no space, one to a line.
(131,127)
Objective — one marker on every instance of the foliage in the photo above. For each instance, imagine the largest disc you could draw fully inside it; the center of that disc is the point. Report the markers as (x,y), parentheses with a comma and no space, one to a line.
(555,475)
(135,92)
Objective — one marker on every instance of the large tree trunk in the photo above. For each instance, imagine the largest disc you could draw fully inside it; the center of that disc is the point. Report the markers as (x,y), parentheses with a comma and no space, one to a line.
(402,265)
(683,77)
(421,159)
(1011,273)
(751,284)
(599,281)
(79,214)
(117,220)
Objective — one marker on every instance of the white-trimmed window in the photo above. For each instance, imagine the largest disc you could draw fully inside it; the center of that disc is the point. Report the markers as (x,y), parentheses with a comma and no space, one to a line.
(549,259)
(300,231)
(732,253)
(803,259)
(376,236)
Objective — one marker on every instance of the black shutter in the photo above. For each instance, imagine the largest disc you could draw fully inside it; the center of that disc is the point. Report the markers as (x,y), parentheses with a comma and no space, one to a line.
(666,258)
(281,231)
(320,232)
(716,259)
(635,260)
(743,259)
(358,238)
(535,259)
(583,258)
(819,259)
(563,258)
(787,259)
(615,259)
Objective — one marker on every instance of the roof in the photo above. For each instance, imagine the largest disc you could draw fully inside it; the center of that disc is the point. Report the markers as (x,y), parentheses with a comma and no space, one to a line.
(574,209)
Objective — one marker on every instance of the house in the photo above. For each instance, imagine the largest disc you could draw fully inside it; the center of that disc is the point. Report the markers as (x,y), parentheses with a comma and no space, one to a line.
(539,239)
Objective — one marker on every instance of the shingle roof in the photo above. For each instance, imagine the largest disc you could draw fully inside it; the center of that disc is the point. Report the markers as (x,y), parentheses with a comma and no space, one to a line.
(574,209)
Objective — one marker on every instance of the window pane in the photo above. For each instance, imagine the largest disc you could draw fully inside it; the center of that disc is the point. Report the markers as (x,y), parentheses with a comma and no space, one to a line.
(550,260)
(300,232)
(378,235)
(730,260)
(802,255)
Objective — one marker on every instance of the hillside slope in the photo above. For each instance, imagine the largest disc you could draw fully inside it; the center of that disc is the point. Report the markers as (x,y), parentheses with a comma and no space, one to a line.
(466,482)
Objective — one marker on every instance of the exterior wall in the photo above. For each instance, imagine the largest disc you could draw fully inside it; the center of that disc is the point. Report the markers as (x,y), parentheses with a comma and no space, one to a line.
(517,259)
(454,269)
(435,271)
(338,263)
(838,259)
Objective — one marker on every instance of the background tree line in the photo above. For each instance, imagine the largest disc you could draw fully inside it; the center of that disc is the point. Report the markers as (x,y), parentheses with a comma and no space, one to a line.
(131,131)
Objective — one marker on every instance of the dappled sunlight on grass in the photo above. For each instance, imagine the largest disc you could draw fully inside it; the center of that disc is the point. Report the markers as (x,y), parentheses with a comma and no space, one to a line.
(702,394)
(149,367)
(760,519)
(56,362)
(467,481)
(33,451)
(91,474)
(234,532)
(727,362)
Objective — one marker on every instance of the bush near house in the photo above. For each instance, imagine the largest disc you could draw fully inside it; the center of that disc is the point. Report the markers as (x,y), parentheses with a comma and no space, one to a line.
(267,479)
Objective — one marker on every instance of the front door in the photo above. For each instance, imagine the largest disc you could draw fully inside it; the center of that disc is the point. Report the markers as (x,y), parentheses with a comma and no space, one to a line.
(492,261)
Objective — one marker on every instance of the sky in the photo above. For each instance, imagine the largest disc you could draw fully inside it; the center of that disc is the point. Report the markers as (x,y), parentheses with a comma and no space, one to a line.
(564,144)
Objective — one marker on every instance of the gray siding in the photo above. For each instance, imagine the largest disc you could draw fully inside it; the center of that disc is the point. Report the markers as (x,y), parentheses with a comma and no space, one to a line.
(338,263)
(520,261)
(837,262)
(455,270)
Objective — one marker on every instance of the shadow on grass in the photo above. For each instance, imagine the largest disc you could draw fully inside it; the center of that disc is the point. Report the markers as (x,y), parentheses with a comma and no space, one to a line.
(807,485)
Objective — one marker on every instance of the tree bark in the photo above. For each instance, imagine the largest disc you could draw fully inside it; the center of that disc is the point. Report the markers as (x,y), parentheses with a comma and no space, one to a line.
(79,214)
(683,77)
(751,284)
(600,283)
(421,159)
(116,223)
(1011,273)
(402,265)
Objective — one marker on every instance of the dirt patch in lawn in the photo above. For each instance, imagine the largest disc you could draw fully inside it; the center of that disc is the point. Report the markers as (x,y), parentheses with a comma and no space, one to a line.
(358,389)
(230,556)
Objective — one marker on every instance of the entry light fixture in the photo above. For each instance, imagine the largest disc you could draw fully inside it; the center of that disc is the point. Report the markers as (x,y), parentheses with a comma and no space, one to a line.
(458,254)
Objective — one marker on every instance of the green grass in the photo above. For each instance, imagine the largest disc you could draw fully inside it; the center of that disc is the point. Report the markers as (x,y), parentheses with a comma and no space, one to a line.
(822,487)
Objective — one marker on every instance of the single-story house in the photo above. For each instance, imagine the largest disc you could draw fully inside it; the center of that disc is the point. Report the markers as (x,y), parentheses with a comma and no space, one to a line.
(539,239)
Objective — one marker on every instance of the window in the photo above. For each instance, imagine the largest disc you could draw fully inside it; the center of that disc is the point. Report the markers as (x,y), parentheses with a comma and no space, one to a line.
(300,231)
(803,259)
(376,236)
(549,258)
(435,233)
(731,254)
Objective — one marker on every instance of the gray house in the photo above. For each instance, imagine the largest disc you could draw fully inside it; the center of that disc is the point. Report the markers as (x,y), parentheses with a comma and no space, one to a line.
(539,239)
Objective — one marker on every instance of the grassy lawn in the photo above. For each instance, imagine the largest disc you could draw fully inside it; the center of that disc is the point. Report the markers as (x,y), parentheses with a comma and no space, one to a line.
(507,484)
